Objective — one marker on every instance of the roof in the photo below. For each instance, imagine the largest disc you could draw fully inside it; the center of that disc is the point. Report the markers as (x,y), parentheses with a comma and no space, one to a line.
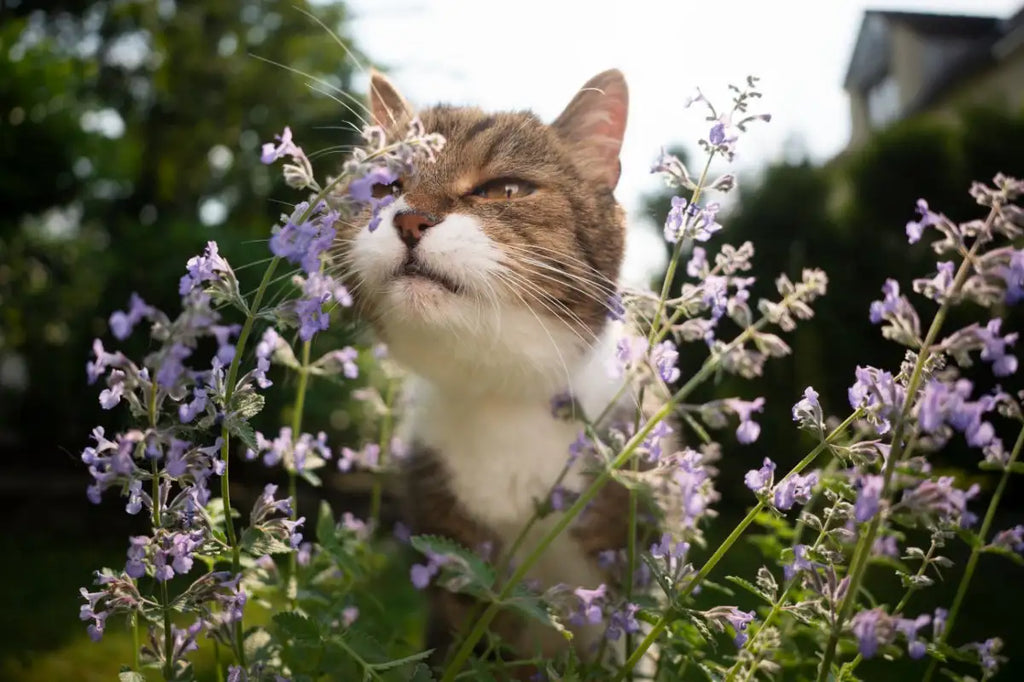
(870,58)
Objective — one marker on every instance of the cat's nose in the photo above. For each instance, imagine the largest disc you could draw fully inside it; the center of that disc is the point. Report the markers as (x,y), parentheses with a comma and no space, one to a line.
(412,224)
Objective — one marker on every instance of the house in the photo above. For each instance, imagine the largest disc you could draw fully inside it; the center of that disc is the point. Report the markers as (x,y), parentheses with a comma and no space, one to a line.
(907,63)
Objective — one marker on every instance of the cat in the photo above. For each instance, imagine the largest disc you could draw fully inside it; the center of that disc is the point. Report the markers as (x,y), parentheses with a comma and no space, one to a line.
(489,279)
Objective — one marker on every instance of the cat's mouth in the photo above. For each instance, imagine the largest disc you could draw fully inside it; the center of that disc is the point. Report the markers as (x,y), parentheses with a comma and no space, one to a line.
(414,269)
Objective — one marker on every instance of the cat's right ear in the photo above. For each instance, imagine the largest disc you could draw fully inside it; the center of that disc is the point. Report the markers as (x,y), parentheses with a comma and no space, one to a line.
(387,106)
(594,123)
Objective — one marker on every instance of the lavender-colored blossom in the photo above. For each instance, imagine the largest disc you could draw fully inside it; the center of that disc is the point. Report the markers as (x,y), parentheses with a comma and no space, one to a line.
(872,628)
(629,350)
(942,500)
(1011,538)
(715,295)
(889,304)
(877,392)
(264,351)
(748,429)
(676,219)
(697,263)
(916,228)
(760,480)
(111,396)
(909,627)
(189,411)
(97,367)
(1013,275)
(868,499)
(305,235)
(800,563)
(666,548)
(422,574)
(938,287)
(590,606)
(122,323)
(135,566)
(807,411)
(795,489)
(664,356)
(939,622)
(653,442)
(171,368)
(204,268)
(361,189)
(1003,364)
(739,620)
(622,621)
(271,152)
(615,307)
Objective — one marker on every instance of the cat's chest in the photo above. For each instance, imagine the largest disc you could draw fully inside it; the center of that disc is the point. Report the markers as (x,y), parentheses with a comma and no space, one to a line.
(501,457)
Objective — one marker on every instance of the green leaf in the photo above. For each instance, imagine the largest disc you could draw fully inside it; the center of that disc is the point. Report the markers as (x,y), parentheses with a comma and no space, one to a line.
(463,571)
(325,524)
(1004,552)
(243,430)
(297,626)
(422,674)
(415,658)
(749,587)
(130,676)
(246,404)
(258,542)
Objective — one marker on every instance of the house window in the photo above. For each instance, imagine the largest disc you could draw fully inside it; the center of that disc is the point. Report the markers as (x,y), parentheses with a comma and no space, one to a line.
(883,102)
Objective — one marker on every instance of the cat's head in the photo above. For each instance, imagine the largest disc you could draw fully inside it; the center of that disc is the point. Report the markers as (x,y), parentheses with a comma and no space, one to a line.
(494,265)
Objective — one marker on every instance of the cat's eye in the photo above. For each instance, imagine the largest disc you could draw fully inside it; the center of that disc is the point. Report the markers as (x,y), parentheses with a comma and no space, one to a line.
(504,189)
(380,191)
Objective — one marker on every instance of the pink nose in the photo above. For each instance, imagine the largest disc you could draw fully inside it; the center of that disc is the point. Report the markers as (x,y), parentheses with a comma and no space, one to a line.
(412,224)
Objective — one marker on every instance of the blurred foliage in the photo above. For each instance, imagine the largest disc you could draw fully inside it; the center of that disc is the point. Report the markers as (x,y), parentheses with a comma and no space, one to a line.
(130,135)
(848,218)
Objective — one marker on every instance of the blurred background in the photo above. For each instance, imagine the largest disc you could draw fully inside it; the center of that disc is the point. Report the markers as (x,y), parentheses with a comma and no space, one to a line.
(129,136)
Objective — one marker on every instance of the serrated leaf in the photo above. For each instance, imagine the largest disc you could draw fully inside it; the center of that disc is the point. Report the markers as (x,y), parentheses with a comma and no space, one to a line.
(130,676)
(297,626)
(475,574)
(246,404)
(243,430)
(415,658)
(310,478)
(258,542)
(421,673)
(749,587)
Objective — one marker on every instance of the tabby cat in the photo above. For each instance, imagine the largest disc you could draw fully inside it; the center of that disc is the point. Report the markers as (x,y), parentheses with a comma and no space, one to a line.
(489,279)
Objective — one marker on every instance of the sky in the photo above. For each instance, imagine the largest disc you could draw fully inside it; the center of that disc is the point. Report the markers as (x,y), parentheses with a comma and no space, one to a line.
(535,54)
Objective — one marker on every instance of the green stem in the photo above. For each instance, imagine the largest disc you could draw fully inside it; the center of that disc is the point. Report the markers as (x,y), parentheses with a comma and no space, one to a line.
(384,445)
(136,642)
(293,486)
(972,562)
(863,550)
(707,369)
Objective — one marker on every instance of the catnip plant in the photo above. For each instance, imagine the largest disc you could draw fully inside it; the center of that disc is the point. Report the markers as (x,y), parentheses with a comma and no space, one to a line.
(272,594)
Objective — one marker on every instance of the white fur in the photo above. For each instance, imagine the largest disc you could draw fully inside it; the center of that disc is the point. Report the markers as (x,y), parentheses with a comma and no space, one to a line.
(485,368)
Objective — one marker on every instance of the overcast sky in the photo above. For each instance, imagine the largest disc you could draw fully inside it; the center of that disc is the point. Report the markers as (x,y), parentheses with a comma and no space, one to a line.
(536,53)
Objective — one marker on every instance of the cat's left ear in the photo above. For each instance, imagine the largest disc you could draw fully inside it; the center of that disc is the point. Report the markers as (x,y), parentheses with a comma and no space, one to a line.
(594,123)
(387,106)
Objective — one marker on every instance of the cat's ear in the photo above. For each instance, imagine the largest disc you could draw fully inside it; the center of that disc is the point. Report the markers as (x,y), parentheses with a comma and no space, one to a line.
(594,123)
(387,106)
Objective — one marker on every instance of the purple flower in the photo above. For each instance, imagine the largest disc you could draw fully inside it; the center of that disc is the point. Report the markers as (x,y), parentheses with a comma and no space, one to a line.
(361,189)
(739,620)
(760,480)
(622,620)
(667,549)
(1003,364)
(378,205)
(1013,275)
(675,220)
(203,268)
(264,351)
(135,566)
(800,563)
(653,443)
(422,574)
(941,499)
(96,368)
(877,392)
(1011,538)
(889,304)
(793,489)
(312,318)
(916,228)
(748,430)
(591,602)
(698,261)
(871,628)
(305,235)
(171,367)
(629,350)
(868,498)
(271,152)
(807,411)
(122,323)
(939,622)
(111,396)
(909,627)
(938,287)
(664,356)
(189,411)
(616,310)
